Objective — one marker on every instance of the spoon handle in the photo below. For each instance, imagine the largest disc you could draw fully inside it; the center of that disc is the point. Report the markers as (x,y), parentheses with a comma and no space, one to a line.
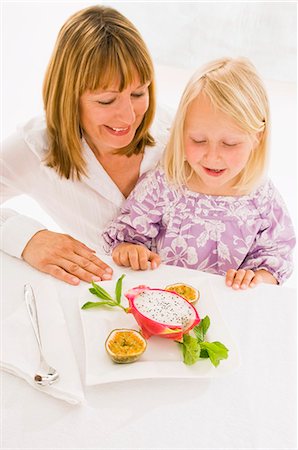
(31,307)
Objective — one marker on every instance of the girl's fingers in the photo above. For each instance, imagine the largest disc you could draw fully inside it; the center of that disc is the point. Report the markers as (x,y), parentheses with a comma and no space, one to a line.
(154,259)
(137,257)
(257,279)
(242,279)
(123,258)
(230,275)
(248,277)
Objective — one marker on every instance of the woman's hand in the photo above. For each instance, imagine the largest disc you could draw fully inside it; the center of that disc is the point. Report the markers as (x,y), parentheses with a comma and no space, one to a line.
(135,256)
(242,279)
(65,258)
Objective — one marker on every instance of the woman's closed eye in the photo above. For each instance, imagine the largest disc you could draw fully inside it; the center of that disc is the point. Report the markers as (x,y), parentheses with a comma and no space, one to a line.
(109,101)
(106,102)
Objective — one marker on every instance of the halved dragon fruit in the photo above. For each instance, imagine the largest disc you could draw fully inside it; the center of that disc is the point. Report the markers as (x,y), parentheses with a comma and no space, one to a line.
(162,313)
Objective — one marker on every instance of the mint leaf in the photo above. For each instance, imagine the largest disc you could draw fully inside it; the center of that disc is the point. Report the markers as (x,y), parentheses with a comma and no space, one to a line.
(104,295)
(191,349)
(89,305)
(100,292)
(204,353)
(201,329)
(118,289)
(216,351)
(195,348)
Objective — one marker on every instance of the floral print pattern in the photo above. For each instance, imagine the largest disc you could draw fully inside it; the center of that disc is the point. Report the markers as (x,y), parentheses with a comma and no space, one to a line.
(205,232)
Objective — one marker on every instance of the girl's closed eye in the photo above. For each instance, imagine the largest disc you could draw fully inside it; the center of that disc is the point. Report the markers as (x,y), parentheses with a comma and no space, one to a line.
(199,141)
(231,144)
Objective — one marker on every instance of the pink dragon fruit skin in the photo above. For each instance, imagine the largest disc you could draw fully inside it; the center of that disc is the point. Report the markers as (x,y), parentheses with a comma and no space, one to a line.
(143,297)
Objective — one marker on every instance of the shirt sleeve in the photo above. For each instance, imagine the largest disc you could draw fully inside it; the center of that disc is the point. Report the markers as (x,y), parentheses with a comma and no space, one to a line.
(140,217)
(17,164)
(273,246)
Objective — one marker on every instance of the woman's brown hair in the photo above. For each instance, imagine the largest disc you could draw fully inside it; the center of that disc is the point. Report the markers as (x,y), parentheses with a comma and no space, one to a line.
(96,45)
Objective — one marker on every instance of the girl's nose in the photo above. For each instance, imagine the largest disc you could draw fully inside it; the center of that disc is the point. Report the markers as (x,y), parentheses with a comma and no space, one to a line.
(126,112)
(212,152)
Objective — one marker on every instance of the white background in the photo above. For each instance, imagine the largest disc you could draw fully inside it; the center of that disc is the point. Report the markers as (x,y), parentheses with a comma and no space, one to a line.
(181,36)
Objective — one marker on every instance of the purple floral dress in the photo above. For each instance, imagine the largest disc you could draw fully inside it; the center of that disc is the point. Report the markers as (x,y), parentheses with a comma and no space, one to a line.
(206,232)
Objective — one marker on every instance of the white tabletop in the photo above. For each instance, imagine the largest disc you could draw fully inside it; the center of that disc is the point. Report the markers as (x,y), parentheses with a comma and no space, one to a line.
(254,407)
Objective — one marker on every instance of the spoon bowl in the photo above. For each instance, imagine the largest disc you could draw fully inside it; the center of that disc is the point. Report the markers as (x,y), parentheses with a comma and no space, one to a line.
(45,375)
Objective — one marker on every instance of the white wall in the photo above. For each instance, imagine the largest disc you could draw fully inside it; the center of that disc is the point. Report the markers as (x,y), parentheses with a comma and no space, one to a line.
(181,36)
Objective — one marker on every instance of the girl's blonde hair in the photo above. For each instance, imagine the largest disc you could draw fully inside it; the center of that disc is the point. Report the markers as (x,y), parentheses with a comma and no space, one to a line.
(95,47)
(234,87)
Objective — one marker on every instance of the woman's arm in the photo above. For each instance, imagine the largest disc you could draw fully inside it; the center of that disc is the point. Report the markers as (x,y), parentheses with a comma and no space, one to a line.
(23,237)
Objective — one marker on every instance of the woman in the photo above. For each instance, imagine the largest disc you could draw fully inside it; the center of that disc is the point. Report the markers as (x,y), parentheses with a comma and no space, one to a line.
(83,160)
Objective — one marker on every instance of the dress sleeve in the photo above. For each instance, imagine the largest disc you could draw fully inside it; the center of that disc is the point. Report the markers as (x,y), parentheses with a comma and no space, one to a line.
(17,164)
(273,246)
(139,221)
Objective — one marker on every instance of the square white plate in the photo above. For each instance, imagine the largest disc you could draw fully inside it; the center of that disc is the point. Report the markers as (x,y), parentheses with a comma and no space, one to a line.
(163,357)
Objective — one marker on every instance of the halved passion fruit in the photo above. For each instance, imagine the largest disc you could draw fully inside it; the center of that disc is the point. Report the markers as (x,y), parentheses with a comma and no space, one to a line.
(125,346)
(185,290)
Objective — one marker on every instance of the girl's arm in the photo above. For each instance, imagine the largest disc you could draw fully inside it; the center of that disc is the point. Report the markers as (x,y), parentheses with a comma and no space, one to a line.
(270,258)
(131,236)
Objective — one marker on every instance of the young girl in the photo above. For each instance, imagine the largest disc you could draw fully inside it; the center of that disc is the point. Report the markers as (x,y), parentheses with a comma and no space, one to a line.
(208,206)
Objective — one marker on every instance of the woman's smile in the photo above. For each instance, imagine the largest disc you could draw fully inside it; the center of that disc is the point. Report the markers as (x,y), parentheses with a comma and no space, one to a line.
(117,131)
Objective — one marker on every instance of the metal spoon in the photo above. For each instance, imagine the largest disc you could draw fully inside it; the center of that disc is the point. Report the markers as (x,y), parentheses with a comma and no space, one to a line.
(46,374)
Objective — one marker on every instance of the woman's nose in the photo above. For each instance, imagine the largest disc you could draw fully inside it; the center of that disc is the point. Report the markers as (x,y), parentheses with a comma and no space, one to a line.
(126,112)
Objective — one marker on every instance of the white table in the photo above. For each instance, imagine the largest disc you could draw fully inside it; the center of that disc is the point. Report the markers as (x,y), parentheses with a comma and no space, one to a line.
(252,408)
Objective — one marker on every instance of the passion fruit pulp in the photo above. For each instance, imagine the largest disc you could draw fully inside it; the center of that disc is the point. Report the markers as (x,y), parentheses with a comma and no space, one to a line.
(185,290)
(125,345)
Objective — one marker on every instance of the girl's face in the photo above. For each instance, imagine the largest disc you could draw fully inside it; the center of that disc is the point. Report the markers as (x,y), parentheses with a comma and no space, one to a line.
(110,118)
(215,147)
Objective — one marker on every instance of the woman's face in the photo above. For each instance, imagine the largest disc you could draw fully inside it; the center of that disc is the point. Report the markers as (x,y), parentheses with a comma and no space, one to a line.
(110,118)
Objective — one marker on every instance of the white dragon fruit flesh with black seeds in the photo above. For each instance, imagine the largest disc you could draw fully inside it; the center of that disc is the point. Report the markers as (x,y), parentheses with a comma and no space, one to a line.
(162,313)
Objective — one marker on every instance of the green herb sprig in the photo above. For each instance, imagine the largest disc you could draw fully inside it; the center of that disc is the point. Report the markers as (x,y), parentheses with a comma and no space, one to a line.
(105,296)
(195,347)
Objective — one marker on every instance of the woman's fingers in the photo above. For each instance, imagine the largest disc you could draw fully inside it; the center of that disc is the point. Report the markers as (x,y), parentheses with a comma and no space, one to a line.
(89,261)
(61,274)
(64,258)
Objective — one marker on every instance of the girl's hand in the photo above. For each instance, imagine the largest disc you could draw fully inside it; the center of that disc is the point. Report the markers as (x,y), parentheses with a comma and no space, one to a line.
(135,256)
(65,258)
(248,278)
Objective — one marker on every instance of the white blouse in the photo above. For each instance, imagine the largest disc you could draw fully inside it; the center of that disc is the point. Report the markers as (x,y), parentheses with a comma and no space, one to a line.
(81,209)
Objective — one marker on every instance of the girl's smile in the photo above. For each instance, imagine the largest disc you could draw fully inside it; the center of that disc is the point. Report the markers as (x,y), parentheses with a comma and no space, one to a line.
(214,172)
(216,148)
